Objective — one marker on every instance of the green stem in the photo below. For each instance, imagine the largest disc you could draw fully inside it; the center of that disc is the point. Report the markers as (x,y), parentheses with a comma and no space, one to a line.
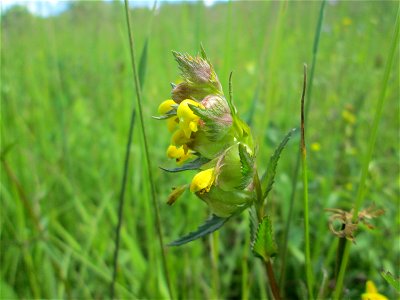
(297,167)
(121,203)
(309,276)
(146,147)
(214,262)
(272,280)
(260,216)
(368,156)
(245,267)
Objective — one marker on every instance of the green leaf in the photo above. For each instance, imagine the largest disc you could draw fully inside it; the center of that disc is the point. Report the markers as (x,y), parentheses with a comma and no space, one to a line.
(193,165)
(391,280)
(247,166)
(7,291)
(253,222)
(167,115)
(264,245)
(211,225)
(268,178)
(143,63)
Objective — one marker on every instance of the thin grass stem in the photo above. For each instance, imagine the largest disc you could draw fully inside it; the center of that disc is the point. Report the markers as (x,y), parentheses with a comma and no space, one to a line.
(371,145)
(297,167)
(121,202)
(309,275)
(214,263)
(146,147)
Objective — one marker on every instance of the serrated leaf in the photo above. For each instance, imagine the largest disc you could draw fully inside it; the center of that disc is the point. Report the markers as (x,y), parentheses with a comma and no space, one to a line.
(264,245)
(253,222)
(211,225)
(391,280)
(247,166)
(268,178)
(193,165)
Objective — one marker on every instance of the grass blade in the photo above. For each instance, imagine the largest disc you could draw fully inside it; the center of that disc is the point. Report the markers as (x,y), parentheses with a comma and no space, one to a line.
(146,147)
(297,167)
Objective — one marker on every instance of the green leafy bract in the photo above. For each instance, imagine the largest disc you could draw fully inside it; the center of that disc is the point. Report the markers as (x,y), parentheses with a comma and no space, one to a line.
(211,225)
(215,130)
(247,166)
(264,245)
(192,165)
(268,178)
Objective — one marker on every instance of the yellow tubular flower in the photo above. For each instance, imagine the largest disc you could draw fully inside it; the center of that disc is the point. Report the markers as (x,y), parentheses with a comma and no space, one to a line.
(202,181)
(178,153)
(172,123)
(179,138)
(371,292)
(166,106)
(187,119)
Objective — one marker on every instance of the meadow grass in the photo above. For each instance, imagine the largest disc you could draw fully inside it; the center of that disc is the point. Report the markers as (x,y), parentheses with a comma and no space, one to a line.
(66,97)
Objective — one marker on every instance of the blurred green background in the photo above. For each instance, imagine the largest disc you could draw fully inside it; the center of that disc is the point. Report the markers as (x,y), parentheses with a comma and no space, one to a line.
(67,93)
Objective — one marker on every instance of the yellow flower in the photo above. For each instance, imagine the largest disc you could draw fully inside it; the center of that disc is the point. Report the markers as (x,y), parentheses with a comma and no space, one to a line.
(347,21)
(179,138)
(180,154)
(315,147)
(187,119)
(348,117)
(166,106)
(172,123)
(371,292)
(202,181)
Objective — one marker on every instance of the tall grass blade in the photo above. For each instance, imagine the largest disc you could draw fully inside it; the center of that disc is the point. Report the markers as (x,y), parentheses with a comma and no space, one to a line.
(297,167)
(309,275)
(142,73)
(147,156)
(371,145)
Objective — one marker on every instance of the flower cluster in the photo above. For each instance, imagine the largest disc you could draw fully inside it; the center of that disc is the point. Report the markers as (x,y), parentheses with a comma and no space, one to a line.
(208,136)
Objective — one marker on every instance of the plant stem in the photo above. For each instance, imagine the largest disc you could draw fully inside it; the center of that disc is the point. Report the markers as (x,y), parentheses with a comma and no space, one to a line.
(297,167)
(147,156)
(309,276)
(121,203)
(260,216)
(368,156)
(214,263)
(272,280)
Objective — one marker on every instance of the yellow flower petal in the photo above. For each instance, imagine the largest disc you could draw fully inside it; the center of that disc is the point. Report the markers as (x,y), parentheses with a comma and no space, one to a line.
(165,106)
(316,147)
(372,292)
(179,138)
(184,111)
(180,154)
(348,117)
(187,119)
(172,123)
(370,287)
(202,181)
(174,152)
